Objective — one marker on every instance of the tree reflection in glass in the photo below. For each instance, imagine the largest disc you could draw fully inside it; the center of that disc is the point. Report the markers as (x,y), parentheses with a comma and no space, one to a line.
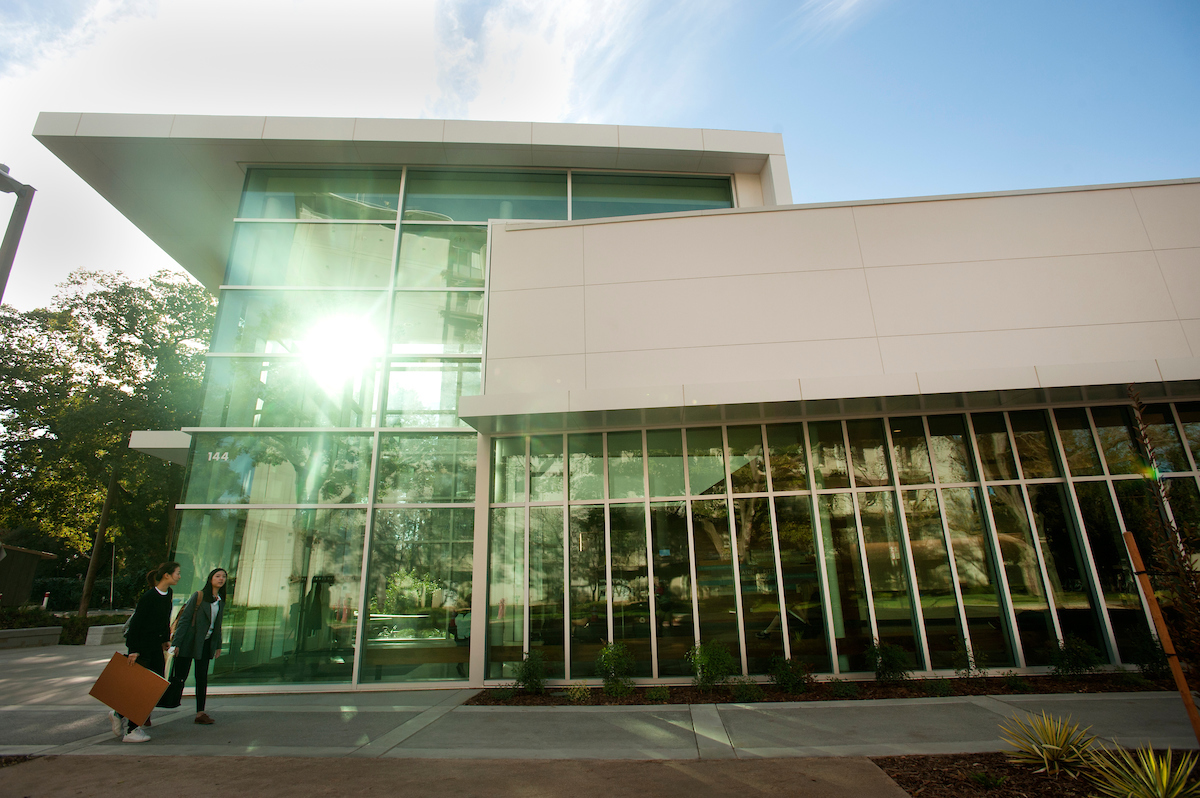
(589,588)
(951,451)
(868,451)
(801,583)
(631,583)
(911,451)
(789,469)
(1078,443)
(716,601)
(935,580)
(506,591)
(672,587)
(829,454)
(987,621)
(847,587)
(546,596)
(1024,576)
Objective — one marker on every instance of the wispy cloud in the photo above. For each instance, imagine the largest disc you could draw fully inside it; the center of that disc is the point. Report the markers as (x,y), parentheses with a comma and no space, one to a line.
(823,20)
(34,31)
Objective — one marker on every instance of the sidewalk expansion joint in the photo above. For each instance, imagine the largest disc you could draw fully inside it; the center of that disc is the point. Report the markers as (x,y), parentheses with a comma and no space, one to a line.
(381,745)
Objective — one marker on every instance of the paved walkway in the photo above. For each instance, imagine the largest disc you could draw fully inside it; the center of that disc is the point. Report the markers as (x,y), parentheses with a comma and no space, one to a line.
(45,709)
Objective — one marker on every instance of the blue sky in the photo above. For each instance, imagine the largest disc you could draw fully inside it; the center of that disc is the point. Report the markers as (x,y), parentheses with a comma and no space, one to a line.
(874,98)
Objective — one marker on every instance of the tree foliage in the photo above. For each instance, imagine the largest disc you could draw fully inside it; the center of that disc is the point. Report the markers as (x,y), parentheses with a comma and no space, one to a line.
(109,355)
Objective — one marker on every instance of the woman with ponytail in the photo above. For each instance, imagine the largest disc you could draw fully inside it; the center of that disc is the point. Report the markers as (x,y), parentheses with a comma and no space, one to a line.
(198,636)
(148,637)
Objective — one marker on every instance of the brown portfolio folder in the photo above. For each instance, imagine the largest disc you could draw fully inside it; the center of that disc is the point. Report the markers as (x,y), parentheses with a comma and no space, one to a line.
(129,689)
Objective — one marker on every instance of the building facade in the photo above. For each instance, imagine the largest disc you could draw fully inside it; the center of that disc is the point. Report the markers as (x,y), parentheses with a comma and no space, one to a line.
(480,389)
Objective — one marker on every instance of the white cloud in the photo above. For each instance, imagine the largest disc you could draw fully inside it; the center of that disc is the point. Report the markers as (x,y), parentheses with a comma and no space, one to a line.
(822,20)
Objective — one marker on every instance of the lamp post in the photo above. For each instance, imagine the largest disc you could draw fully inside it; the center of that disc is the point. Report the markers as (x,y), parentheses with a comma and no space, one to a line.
(16,223)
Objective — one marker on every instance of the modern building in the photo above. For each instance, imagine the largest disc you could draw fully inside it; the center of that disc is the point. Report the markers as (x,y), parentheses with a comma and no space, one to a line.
(478,389)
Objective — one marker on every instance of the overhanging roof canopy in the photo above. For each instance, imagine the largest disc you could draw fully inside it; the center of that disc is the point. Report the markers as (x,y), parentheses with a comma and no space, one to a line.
(179,178)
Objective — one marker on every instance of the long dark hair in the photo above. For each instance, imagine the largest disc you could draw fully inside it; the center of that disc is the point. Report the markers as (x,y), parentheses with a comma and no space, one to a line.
(154,575)
(206,591)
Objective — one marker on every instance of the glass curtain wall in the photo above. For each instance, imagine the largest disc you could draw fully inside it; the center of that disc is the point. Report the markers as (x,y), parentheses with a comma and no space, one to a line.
(981,539)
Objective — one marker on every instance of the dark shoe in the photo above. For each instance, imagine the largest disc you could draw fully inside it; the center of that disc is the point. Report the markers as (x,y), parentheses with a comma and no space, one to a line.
(203,719)
(147,724)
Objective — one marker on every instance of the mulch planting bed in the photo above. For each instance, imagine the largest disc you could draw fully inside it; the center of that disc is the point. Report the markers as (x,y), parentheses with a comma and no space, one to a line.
(5,761)
(970,775)
(826,691)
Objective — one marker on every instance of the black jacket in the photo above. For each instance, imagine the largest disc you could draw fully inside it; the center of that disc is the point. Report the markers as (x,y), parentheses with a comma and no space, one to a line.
(192,627)
(150,626)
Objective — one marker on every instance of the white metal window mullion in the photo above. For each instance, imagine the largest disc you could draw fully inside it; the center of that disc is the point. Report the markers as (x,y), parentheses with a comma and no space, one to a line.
(906,544)
(991,535)
(364,571)
(731,525)
(948,540)
(526,612)
(779,585)
(480,615)
(1031,521)
(862,543)
(608,552)
(566,536)
(822,564)
(650,557)
(687,508)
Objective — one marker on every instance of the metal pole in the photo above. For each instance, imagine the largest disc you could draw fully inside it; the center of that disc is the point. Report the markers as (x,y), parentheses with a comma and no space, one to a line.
(16,223)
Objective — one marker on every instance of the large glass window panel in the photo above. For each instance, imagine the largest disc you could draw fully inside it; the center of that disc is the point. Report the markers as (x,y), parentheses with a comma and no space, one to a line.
(716,592)
(665,449)
(887,568)
(935,580)
(589,588)
(312,255)
(506,591)
(1117,581)
(585,466)
(631,583)
(336,331)
(1065,564)
(1035,445)
(425,393)
(1185,506)
(1023,573)
(1115,427)
(672,587)
(420,596)
(598,195)
(801,584)
(868,452)
(437,323)
(950,448)
(320,194)
(987,621)
(911,451)
(1164,437)
(995,450)
(441,255)
(479,196)
(508,470)
(279,468)
(251,392)
(847,587)
(1140,513)
(706,461)
(1189,416)
(1078,443)
(789,469)
(625,477)
(294,581)
(546,468)
(426,469)
(746,463)
(546,598)
(760,589)
(829,454)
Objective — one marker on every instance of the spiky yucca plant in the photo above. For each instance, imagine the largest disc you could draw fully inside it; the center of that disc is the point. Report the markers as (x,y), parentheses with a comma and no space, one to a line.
(1054,744)
(1118,773)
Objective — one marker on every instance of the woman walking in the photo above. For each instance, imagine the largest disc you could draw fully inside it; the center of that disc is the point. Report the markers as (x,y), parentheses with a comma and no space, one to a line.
(148,637)
(198,636)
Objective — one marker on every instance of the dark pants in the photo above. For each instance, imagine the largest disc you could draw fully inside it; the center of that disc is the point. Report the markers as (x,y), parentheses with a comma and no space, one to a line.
(185,665)
(153,660)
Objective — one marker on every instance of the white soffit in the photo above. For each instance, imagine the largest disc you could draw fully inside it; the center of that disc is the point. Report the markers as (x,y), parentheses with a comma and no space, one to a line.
(172,445)
(179,178)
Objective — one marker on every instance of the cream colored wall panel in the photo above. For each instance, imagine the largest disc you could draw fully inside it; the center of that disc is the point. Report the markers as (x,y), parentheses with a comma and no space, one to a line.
(1032,292)
(748,188)
(998,228)
(307,128)
(1098,373)
(977,380)
(865,385)
(535,374)
(514,404)
(186,126)
(796,360)
(1028,348)
(540,258)
(667,138)
(720,245)
(757,309)
(1191,329)
(533,323)
(56,123)
(1171,214)
(407,130)
(472,132)
(742,141)
(629,397)
(732,393)
(125,125)
(559,135)
(1181,270)
(1180,368)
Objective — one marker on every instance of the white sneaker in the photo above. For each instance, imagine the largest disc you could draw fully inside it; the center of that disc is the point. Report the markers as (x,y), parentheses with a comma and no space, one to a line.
(117,723)
(136,736)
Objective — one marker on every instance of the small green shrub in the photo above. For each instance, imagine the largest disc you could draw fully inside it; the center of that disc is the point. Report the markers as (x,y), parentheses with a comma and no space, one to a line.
(659,693)
(1014,682)
(891,662)
(840,688)
(1131,679)
(937,687)
(1148,655)
(614,664)
(967,664)
(579,693)
(531,673)
(1074,658)
(986,780)
(503,693)
(791,675)
(1117,773)
(1056,744)
(712,665)
(746,690)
